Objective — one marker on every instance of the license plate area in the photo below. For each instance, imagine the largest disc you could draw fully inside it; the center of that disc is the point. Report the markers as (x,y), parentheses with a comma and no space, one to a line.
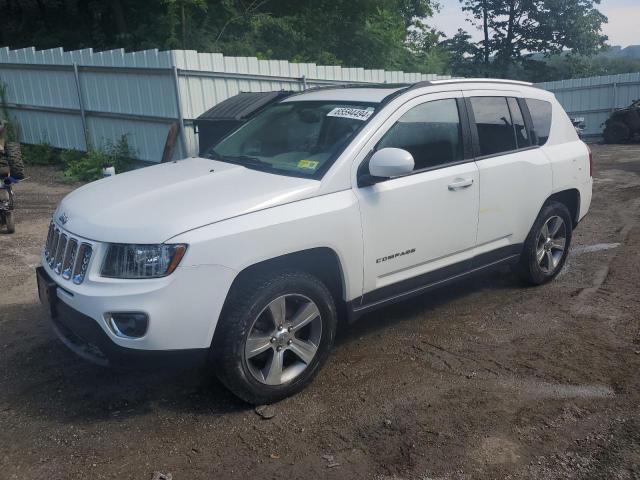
(47,292)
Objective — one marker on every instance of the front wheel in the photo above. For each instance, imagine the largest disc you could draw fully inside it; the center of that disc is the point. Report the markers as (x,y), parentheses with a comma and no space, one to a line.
(275,333)
(547,245)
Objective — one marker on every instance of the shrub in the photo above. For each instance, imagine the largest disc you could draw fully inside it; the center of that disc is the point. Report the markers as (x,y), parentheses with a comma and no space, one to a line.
(70,156)
(40,154)
(87,168)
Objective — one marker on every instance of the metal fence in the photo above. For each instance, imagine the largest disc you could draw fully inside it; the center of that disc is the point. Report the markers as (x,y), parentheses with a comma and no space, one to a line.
(73,99)
(595,98)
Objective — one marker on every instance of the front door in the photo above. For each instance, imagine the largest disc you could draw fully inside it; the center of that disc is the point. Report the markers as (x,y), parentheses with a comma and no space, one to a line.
(421,226)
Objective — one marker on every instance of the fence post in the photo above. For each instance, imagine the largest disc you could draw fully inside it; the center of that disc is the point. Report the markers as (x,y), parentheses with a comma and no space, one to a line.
(303,79)
(83,116)
(615,96)
(183,135)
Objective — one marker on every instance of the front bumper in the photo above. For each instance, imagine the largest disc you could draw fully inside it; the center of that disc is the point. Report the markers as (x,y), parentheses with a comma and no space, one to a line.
(183,308)
(82,335)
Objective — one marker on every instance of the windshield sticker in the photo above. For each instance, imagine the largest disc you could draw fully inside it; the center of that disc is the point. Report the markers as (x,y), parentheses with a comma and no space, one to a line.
(353,113)
(311,164)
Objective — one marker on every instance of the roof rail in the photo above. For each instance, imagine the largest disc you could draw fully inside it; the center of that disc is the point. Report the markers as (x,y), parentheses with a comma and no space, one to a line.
(471,80)
(354,85)
(403,87)
(400,86)
(424,83)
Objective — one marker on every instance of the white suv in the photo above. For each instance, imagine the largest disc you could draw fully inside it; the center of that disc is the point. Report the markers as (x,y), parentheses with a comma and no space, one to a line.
(325,205)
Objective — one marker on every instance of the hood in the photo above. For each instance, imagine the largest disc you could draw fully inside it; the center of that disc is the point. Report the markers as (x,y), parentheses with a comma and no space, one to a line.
(153,204)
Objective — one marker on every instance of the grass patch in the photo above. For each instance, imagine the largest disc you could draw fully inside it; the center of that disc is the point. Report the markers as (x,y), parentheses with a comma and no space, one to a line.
(40,154)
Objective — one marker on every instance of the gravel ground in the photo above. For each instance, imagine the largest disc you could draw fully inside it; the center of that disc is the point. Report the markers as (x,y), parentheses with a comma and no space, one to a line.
(485,379)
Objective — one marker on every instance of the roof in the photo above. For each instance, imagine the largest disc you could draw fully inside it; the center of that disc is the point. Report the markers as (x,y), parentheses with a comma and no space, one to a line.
(246,104)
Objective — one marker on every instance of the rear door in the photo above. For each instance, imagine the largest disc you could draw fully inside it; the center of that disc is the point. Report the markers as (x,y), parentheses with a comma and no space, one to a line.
(515,175)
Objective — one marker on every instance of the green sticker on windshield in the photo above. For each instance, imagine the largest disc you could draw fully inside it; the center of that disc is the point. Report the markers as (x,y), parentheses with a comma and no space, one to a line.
(310,164)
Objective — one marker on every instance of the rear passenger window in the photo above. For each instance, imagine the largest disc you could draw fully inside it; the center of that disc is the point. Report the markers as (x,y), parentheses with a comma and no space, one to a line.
(541,118)
(431,132)
(495,129)
(522,136)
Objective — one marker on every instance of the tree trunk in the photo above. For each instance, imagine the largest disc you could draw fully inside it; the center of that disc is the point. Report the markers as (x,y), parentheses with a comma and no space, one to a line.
(507,48)
(184,28)
(485,26)
(118,17)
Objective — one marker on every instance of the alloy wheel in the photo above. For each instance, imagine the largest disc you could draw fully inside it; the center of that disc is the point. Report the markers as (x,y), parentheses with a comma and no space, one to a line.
(283,339)
(551,244)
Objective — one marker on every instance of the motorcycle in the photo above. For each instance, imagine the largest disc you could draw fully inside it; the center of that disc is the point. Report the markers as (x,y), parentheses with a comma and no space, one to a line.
(579,125)
(7,204)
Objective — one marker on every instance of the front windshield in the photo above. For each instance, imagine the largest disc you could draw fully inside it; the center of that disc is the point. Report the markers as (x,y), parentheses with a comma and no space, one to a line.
(294,138)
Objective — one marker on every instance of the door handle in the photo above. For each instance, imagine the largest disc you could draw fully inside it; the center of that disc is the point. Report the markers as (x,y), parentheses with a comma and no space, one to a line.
(460,183)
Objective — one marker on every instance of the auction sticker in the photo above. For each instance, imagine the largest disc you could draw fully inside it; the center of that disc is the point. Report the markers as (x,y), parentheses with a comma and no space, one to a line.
(353,113)
(311,164)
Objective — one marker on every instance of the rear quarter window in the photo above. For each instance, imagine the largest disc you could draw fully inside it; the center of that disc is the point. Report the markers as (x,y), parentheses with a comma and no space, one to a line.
(540,112)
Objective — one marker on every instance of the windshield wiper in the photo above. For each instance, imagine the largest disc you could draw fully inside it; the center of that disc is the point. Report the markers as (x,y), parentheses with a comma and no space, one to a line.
(246,159)
(243,160)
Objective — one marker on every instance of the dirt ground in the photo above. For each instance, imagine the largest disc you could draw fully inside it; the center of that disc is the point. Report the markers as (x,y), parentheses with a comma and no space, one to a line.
(486,379)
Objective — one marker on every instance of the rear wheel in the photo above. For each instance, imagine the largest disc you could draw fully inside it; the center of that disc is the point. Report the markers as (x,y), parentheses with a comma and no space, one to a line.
(9,221)
(14,155)
(274,335)
(616,132)
(547,245)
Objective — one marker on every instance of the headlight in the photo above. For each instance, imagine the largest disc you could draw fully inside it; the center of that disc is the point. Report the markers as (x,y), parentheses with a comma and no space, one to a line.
(142,261)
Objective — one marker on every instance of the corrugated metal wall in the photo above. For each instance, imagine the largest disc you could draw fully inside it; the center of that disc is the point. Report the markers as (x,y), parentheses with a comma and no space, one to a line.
(595,98)
(69,98)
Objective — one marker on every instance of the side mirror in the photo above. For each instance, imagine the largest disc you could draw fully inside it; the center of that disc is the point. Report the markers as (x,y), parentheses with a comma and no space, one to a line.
(387,163)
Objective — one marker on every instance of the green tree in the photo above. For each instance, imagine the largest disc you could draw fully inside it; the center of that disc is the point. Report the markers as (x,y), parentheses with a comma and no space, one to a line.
(389,34)
(465,55)
(179,15)
(514,29)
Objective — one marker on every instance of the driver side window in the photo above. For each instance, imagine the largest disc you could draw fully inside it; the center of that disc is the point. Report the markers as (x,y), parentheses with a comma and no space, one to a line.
(431,132)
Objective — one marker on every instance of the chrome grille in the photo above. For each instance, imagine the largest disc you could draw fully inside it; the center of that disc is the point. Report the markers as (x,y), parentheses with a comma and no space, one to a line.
(82,264)
(49,240)
(54,245)
(67,256)
(62,246)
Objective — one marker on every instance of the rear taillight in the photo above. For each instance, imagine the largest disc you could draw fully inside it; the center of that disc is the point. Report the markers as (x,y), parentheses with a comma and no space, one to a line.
(590,162)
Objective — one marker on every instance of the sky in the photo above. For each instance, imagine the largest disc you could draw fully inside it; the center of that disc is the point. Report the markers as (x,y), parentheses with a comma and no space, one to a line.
(623,27)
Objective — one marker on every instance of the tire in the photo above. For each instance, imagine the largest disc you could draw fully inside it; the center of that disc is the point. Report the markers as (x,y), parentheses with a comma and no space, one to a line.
(248,345)
(616,132)
(10,222)
(542,258)
(14,156)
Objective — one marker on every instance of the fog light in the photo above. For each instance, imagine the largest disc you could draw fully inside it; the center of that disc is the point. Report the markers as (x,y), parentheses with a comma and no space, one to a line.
(127,324)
